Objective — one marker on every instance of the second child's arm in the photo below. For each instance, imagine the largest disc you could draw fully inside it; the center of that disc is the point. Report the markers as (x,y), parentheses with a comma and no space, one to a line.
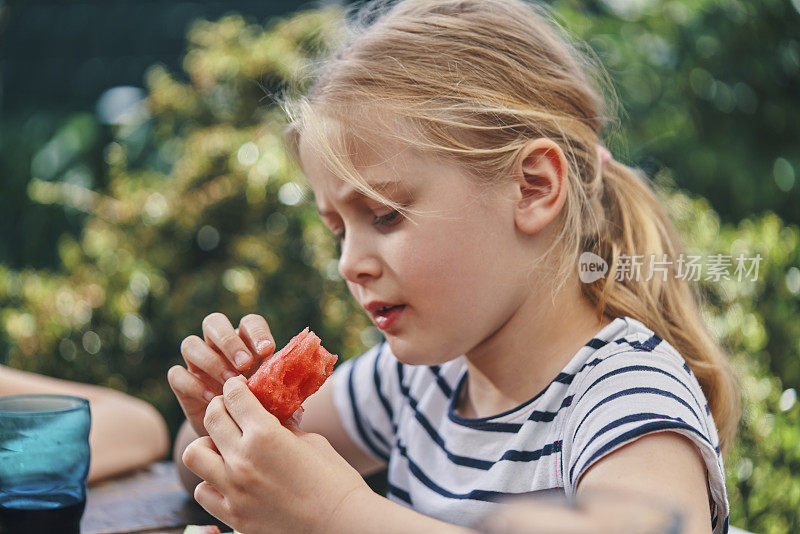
(127,433)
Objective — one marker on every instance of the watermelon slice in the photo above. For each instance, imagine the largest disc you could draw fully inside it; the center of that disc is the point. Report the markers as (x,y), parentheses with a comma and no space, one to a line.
(291,375)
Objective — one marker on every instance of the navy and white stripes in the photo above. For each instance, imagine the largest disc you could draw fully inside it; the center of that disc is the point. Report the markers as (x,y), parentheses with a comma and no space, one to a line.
(624,383)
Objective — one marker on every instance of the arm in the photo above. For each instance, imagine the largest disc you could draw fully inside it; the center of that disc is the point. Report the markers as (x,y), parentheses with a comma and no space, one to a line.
(369,512)
(248,457)
(641,423)
(127,433)
(610,490)
(665,465)
(320,417)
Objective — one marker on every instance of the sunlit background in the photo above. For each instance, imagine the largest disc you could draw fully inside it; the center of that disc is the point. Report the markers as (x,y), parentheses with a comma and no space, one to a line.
(143,185)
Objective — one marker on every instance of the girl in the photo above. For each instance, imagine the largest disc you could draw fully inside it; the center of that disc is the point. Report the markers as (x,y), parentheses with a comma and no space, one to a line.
(453,146)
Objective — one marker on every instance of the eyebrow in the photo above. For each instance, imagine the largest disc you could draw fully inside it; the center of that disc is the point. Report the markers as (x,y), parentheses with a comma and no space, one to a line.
(356,194)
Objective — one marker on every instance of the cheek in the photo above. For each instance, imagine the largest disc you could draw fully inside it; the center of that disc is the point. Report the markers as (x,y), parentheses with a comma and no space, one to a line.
(424,258)
(452,264)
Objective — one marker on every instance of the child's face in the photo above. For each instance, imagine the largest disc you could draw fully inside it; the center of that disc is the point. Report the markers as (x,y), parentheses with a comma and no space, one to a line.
(460,270)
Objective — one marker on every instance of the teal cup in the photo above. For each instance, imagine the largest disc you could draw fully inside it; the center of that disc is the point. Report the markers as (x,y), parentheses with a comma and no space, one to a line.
(44,463)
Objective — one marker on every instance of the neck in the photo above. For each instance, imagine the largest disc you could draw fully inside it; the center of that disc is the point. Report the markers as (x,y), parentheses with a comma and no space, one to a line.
(528,351)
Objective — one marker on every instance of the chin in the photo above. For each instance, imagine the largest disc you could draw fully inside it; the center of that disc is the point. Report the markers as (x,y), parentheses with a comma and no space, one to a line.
(414,356)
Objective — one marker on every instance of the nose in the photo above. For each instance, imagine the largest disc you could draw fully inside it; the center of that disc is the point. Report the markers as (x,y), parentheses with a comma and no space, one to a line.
(358,260)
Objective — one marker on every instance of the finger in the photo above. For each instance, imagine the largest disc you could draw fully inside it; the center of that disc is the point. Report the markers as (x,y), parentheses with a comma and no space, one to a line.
(202,458)
(219,333)
(213,501)
(221,427)
(199,355)
(187,386)
(244,407)
(191,396)
(255,332)
(212,384)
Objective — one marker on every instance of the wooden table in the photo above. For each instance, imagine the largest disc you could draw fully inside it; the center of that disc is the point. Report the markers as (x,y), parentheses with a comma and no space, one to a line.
(149,500)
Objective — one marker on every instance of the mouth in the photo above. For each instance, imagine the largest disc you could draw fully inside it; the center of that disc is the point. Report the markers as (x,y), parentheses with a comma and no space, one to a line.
(384,310)
(378,307)
(386,316)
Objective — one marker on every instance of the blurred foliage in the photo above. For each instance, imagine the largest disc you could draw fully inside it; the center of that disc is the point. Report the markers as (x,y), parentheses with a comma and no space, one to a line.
(710,89)
(756,322)
(21,144)
(199,211)
(60,59)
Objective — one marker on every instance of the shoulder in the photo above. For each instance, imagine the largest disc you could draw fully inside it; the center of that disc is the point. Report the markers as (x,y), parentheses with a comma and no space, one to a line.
(640,376)
(637,358)
(637,384)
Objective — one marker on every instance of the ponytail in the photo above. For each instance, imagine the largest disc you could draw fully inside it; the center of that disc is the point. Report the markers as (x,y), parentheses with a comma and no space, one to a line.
(637,225)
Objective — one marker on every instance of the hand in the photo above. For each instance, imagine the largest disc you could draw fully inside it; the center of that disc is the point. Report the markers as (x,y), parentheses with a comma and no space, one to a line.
(260,476)
(225,352)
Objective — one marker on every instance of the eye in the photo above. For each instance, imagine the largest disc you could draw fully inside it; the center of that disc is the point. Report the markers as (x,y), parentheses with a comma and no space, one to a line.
(390,219)
(387,219)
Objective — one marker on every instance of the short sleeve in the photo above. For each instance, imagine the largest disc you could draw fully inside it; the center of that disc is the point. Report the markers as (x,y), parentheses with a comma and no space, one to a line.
(632,393)
(366,393)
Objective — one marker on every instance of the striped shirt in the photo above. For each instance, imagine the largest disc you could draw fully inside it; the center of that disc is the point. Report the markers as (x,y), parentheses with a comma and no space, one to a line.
(624,383)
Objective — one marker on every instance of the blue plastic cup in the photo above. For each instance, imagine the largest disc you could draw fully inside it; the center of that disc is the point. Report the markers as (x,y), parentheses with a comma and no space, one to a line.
(44,463)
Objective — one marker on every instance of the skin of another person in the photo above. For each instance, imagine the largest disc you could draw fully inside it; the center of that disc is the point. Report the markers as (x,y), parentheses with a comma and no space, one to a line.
(127,433)
(462,268)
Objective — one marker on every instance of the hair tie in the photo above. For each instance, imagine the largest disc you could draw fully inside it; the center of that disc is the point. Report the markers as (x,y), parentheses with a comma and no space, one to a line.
(604,154)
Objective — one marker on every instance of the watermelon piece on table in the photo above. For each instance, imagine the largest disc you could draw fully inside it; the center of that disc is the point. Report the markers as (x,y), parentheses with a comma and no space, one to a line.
(291,375)
(201,529)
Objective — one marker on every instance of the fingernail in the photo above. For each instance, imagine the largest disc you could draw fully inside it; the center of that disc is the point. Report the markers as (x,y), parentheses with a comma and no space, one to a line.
(263,346)
(229,374)
(241,359)
(209,396)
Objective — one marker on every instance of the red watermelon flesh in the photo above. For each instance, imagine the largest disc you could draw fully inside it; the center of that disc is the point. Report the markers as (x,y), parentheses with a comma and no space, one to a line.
(291,375)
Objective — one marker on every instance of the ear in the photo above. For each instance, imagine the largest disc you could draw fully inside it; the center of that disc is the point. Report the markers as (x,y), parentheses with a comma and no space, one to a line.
(541,184)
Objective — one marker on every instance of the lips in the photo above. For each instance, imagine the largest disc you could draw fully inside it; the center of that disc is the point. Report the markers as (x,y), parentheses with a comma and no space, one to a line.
(376,307)
(386,317)
(386,309)
(384,314)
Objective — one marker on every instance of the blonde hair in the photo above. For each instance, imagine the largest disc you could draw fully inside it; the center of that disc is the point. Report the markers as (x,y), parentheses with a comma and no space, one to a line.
(473,81)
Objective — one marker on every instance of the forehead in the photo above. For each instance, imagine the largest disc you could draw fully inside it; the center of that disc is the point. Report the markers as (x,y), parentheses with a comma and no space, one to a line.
(385,165)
